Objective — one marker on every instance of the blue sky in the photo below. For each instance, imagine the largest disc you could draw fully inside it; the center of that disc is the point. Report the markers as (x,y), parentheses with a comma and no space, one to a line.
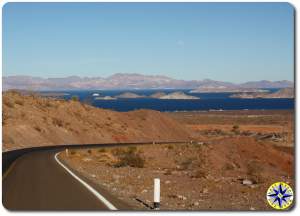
(235,42)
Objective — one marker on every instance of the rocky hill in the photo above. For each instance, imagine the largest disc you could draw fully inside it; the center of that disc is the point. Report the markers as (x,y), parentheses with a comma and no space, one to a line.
(30,120)
(158,95)
(178,96)
(129,95)
(282,93)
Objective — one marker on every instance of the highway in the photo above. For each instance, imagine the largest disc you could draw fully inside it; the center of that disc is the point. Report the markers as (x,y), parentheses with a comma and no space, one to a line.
(37,181)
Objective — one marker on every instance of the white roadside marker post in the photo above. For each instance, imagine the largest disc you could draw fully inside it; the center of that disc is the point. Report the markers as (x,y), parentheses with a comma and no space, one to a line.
(156,193)
(67,152)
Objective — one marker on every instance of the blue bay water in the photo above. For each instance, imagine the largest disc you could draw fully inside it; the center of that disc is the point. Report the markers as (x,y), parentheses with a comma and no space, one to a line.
(208,101)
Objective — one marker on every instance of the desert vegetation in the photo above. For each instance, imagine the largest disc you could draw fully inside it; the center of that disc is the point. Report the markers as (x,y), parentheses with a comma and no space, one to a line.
(128,157)
(228,174)
(263,125)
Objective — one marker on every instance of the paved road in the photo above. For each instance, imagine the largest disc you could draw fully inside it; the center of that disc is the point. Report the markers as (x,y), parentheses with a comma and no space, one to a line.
(37,182)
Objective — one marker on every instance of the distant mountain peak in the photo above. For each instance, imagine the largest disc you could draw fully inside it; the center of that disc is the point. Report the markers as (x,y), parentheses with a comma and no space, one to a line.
(128,81)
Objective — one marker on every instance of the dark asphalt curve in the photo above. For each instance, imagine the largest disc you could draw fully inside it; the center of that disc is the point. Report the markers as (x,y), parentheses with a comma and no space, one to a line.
(36,181)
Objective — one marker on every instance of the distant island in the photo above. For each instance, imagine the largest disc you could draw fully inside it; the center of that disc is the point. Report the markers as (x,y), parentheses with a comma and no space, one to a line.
(174,95)
(225,89)
(158,95)
(130,95)
(282,93)
(105,98)
(178,95)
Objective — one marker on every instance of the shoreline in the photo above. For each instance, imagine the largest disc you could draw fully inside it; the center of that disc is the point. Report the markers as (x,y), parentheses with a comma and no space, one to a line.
(221,110)
(231,111)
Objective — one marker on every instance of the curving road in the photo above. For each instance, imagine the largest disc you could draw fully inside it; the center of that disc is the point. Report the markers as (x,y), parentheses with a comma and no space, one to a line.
(36,181)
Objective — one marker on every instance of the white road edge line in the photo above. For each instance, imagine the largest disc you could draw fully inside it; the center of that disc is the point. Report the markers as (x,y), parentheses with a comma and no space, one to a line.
(90,188)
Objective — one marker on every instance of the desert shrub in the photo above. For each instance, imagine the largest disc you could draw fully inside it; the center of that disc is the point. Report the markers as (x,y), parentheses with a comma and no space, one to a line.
(57,122)
(254,171)
(247,133)
(23,114)
(89,151)
(8,103)
(75,98)
(168,172)
(185,164)
(120,151)
(170,147)
(108,124)
(213,132)
(72,152)
(102,150)
(198,145)
(48,103)
(200,173)
(4,118)
(132,160)
(131,149)
(128,157)
(19,102)
(37,128)
(235,127)
(67,124)
(117,151)
(228,166)
(218,131)
(104,159)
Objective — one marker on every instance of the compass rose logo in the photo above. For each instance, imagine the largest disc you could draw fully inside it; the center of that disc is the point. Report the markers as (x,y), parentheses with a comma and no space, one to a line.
(280,195)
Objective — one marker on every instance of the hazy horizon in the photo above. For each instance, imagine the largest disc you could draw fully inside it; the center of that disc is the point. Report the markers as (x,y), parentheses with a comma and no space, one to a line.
(231,42)
(156,75)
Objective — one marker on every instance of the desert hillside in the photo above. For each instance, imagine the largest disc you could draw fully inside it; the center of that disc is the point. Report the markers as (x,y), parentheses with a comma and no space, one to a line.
(36,121)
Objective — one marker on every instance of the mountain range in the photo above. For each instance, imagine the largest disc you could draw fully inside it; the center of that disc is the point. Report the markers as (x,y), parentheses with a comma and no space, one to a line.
(127,81)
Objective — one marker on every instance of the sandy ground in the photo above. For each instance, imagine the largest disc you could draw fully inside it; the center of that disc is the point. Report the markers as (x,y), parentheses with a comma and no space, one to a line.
(193,176)
(272,125)
(207,174)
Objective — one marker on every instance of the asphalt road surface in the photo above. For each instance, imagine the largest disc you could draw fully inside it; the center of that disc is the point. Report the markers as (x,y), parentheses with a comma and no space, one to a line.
(36,181)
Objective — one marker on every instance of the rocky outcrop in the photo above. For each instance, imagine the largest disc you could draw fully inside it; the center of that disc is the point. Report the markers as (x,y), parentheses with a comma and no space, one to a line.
(178,96)
(282,93)
(129,95)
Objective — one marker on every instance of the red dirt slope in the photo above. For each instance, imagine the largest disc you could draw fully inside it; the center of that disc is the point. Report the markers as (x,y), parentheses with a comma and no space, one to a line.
(35,121)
